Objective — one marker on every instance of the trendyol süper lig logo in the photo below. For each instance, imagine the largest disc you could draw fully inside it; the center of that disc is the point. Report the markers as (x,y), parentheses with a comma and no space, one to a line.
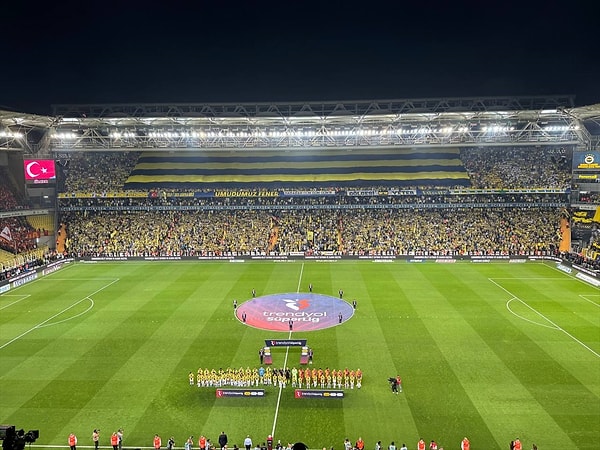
(295,304)
(294,312)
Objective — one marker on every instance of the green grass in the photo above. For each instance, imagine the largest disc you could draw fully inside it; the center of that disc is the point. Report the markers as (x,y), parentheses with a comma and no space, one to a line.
(488,351)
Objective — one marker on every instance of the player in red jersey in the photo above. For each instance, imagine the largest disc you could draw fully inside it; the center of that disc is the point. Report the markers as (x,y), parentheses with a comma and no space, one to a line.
(359,376)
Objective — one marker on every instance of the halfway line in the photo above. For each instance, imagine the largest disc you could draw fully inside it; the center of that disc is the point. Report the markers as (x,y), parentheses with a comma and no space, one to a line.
(287,350)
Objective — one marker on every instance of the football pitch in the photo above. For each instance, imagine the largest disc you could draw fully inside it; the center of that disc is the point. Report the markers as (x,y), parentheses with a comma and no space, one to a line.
(488,351)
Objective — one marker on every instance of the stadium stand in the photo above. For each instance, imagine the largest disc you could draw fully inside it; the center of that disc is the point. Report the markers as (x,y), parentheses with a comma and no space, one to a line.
(517,167)
(8,198)
(12,265)
(450,231)
(378,202)
(97,171)
(43,224)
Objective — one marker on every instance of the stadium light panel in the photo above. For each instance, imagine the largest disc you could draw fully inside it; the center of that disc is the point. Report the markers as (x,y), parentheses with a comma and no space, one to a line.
(558,128)
(64,135)
(11,134)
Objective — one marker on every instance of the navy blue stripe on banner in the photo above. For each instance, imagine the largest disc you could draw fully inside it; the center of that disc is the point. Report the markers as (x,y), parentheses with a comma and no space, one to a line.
(260,169)
(294,171)
(447,182)
(290,159)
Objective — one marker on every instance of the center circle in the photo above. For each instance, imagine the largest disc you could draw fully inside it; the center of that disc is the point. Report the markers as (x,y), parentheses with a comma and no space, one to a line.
(294,312)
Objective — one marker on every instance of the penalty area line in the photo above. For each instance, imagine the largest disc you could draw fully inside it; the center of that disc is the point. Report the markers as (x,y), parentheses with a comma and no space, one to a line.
(514,297)
(45,322)
(23,297)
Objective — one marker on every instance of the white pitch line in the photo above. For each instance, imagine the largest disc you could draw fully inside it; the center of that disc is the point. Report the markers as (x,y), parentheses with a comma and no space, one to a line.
(41,324)
(23,297)
(570,278)
(531,278)
(76,279)
(287,351)
(72,317)
(545,318)
(298,289)
(525,318)
(585,297)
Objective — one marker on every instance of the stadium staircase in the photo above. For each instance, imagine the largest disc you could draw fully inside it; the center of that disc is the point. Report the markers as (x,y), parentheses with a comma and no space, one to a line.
(565,235)
(61,239)
(340,239)
(273,238)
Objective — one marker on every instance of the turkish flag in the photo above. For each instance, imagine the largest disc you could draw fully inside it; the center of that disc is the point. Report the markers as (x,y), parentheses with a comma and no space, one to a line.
(39,169)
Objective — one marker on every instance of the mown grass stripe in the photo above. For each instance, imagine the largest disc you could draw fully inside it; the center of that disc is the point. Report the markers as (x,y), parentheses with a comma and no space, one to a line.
(469,366)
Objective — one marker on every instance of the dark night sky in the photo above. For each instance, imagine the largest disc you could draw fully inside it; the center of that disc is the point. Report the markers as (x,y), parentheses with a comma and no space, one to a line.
(292,50)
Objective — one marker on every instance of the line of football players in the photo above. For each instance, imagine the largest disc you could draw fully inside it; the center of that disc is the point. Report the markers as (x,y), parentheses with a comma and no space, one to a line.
(296,377)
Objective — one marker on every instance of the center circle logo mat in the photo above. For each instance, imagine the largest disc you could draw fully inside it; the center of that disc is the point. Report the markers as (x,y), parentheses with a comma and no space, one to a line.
(294,312)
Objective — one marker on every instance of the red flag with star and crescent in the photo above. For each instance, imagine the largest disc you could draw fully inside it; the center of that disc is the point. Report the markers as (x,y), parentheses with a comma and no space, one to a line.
(39,169)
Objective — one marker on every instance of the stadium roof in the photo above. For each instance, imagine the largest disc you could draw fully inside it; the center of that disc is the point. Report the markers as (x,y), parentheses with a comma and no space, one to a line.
(478,121)
(456,105)
(318,109)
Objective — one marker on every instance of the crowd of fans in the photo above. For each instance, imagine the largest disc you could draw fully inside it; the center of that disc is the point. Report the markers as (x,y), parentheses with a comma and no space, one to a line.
(517,167)
(412,220)
(589,198)
(449,231)
(26,262)
(159,224)
(488,168)
(16,235)
(8,197)
(97,172)
(582,261)
(8,202)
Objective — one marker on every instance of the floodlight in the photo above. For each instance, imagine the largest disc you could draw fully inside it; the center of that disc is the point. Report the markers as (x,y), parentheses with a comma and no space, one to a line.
(11,134)
(66,135)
